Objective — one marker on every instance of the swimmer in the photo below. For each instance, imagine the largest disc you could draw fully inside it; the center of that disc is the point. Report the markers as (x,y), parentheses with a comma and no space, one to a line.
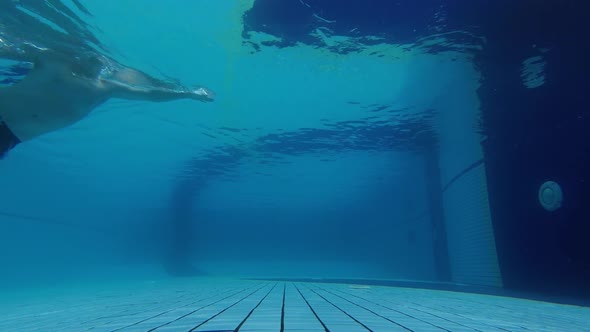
(71,74)
(62,89)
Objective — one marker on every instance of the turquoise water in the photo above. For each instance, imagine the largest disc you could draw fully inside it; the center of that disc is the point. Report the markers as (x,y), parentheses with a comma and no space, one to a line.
(103,187)
(336,148)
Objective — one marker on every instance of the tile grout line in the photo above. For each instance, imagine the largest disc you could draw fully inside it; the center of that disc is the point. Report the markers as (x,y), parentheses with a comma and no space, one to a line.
(224,310)
(167,311)
(251,311)
(394,310)
(283,308)
(425,312)
(371,311)
(343,311)
(312,310)
(210,304)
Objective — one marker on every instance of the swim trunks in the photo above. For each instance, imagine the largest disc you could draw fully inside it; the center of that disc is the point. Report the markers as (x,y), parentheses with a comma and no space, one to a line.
(7,139)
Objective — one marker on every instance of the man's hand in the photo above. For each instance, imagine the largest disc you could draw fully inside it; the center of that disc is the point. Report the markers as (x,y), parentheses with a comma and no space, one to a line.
(203,94)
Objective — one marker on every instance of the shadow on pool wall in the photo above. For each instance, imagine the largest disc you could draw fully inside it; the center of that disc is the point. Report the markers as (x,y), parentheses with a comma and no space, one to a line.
(300,218)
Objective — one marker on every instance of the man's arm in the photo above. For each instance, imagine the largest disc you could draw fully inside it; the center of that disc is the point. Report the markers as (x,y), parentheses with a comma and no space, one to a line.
(25,52)
(158,94)
(132,84)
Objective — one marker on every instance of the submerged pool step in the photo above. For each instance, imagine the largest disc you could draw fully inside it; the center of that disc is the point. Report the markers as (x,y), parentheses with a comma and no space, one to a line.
(215,306)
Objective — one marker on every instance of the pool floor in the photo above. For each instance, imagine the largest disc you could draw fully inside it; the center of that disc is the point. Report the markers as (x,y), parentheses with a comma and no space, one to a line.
(238,305)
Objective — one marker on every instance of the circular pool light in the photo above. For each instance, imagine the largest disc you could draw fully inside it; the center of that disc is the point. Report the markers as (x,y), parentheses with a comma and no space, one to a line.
(550,196)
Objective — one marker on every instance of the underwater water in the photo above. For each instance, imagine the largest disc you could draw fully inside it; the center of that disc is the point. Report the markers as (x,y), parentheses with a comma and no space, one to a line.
(374,143)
